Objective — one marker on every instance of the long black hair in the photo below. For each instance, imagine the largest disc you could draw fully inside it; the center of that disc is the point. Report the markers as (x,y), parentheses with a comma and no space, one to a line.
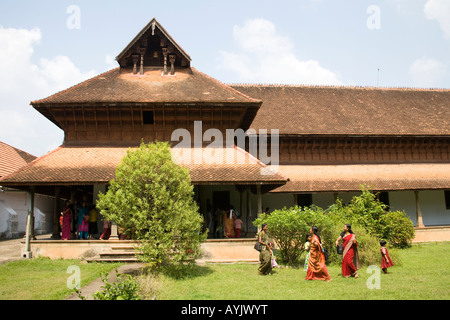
(315,230)
(349,228)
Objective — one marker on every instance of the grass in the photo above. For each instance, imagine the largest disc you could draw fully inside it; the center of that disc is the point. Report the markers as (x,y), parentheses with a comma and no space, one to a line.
(421,273)
(44,279)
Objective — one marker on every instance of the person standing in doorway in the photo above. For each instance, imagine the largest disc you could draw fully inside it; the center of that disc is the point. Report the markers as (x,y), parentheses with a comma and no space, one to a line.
(93,228)
(237,227)
(66,221)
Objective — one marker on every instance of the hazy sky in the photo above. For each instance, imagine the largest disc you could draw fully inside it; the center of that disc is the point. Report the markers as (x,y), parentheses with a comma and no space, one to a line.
(48,46)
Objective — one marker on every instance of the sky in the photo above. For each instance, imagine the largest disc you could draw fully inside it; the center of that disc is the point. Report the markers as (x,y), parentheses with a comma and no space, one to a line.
(47,46)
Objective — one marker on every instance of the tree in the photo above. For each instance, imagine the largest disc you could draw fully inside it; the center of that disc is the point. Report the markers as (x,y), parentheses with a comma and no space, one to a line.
(151,199)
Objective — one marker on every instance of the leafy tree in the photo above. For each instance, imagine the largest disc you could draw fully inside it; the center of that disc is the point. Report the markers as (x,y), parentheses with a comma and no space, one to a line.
(151,199)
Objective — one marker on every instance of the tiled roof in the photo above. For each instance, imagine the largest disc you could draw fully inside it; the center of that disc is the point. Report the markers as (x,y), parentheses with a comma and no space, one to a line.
(309,110)
(334,178)
(12,159)
(90,165)
(122,86)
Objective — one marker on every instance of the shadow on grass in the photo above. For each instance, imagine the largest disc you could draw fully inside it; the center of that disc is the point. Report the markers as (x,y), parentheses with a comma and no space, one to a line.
(181,272)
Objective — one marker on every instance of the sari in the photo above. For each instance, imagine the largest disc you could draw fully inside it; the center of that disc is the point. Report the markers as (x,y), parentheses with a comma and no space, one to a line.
(317,270)
(66,224)
(265,258)
(228,220)
(350,256)
(386,261)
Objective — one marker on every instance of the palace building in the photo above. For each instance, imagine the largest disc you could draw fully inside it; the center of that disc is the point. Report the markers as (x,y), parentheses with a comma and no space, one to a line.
(247,147)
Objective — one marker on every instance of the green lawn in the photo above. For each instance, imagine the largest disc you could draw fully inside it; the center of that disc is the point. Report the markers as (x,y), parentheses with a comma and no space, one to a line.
(44,279)
(421,272)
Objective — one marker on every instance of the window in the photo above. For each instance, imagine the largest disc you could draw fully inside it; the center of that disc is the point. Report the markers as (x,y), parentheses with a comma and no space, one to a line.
(384,198)
(304,200)
(147,117)
(447,199)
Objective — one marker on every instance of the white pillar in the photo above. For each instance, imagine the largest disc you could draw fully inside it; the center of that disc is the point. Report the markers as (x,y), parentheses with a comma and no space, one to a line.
(419,222)
(30,225)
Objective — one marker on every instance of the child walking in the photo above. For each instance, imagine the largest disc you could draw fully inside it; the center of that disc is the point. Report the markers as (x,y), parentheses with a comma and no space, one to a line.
(307,247)
(386,261)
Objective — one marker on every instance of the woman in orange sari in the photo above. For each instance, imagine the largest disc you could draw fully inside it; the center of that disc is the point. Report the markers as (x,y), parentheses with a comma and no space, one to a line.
(317,270)
(350,257)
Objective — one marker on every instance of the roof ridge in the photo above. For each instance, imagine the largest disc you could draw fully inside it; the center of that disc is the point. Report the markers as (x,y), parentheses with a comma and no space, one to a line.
(226,86)
(74,86)
(276,85)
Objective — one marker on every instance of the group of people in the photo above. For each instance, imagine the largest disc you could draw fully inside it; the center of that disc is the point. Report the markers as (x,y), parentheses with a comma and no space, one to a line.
(315,266)
(80,222)
(226,223)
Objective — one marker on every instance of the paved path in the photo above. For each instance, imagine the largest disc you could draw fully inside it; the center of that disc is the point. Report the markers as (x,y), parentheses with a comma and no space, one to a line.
(96,285)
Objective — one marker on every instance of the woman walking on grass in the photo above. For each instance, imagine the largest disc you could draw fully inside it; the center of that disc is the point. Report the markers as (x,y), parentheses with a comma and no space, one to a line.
(317,270)
(265,256)
(350,257)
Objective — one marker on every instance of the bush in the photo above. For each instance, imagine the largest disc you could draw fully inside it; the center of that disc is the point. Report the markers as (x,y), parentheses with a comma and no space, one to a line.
(367,211)
(289,227)
(397,229)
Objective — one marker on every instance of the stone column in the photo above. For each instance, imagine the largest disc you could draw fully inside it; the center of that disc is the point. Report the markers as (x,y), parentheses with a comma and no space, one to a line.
(114,234)
(56,213)
(419,222)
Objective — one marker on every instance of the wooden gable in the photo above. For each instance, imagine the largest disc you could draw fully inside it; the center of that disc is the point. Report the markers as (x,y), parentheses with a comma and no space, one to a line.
(153,47)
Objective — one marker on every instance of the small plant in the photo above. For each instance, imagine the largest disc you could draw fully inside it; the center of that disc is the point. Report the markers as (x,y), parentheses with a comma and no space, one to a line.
(125,288)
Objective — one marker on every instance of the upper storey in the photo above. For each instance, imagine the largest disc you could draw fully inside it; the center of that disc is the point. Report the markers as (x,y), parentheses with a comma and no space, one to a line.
(154,92)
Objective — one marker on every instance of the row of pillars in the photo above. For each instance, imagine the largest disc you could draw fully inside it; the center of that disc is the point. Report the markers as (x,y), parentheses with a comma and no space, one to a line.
(114,233)
(140,56)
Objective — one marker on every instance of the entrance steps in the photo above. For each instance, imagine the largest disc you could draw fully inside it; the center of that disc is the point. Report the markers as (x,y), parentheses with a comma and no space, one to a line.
(117,253)
(213,251)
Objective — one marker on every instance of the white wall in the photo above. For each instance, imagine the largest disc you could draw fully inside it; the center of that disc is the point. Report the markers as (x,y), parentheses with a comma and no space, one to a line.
(14,212)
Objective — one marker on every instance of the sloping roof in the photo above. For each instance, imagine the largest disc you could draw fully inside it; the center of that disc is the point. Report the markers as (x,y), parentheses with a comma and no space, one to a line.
(309,110)
(334,178)
(12,159)
(91,165)
(121,86)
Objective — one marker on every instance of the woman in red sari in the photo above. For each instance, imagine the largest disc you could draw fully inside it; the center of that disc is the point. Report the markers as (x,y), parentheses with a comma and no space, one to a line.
(66,221)
(350,256)
(317,270)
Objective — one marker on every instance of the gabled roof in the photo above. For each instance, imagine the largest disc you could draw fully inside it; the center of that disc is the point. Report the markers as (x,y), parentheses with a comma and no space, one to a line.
(151,27)
(328,110)
(12,159)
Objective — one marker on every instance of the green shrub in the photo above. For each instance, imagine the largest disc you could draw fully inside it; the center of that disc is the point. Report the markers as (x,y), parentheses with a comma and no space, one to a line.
(152,199)
(397,229)
(289,227)
(126,288)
